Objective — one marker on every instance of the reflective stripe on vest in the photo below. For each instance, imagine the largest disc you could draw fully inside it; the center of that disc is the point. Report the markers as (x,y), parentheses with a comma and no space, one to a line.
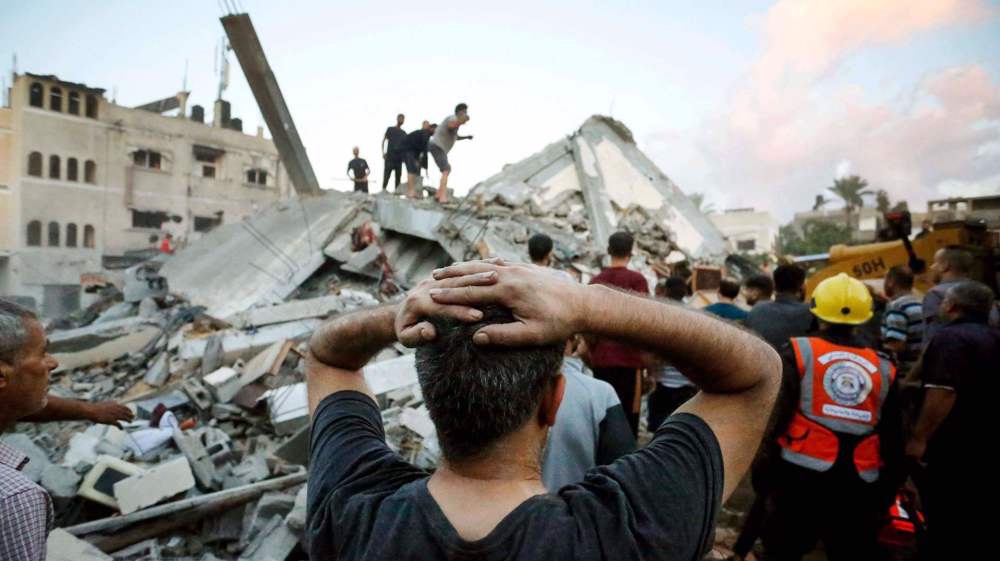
(842,404)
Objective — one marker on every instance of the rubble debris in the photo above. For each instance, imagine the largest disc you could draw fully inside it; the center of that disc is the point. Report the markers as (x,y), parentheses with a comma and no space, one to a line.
(153,485)
(63,546)
(208,346)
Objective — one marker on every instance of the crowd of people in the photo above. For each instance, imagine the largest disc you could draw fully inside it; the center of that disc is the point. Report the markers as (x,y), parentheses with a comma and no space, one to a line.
(535,383)
(411,150)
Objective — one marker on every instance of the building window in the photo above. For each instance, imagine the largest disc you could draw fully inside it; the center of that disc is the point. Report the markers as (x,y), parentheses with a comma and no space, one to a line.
(88,236)
(72,170)
(34,233)
(36,94)
(208,159)
(148,219)
(746,245)
(90,171)
(55,99)
(257,176)
(35,164)
(147,159)
(207,223)
(54,165)
(74,103)
(71,235)
(91,106)
(53,234)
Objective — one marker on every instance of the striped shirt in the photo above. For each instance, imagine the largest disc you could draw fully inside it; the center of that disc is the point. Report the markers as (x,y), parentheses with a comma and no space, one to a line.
(904,321)
(25,510)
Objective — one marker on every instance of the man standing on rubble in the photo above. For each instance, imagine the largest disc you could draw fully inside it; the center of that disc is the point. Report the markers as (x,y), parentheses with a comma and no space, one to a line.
(414,150)
(442,142)
(360,170)
(489,340)
(616,363)
(959,386)
(836,461)
(392,143)
(25,508)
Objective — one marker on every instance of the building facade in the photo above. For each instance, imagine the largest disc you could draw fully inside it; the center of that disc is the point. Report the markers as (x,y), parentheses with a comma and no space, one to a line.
(84,181)
(748,230)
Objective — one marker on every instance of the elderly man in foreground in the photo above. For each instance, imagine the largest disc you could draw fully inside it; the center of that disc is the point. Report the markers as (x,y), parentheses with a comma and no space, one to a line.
(489,340)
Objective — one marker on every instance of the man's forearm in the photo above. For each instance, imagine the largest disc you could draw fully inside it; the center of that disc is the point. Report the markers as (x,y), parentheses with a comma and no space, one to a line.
(716,356)
(350,341)
(60,409)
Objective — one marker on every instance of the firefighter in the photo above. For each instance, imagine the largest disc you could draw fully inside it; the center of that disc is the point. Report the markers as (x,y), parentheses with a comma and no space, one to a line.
(835,455)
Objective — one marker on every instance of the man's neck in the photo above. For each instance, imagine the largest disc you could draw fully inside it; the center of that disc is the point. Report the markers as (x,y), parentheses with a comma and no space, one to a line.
(952,277)
(786,296)
(542,263)
(619,262)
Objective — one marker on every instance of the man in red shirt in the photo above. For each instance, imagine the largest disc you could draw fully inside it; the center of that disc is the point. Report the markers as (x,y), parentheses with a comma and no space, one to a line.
(617,364)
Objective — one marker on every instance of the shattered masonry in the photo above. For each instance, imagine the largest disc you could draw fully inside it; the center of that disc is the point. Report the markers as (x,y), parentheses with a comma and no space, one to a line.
(207,345)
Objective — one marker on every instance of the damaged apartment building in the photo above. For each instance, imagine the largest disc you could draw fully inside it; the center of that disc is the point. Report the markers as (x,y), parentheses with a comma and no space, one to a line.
(85,183)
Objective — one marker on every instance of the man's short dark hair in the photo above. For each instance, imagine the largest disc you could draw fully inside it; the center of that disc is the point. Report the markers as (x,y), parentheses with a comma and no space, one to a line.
(620,244)
(476,395)
(539,246)
(973,299)
(675,288)
(729,288)
(760,282)
(13,329)
(400,115)
(901,276)
(461,107)
(789,278)
(959,260)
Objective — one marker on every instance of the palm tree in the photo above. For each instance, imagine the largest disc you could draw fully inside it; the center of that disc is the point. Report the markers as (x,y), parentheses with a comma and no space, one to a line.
(699,203)
(821,202)
(882,202)
(852,190)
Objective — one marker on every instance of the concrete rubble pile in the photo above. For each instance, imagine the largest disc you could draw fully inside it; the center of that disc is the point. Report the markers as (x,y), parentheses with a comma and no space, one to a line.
(207,346)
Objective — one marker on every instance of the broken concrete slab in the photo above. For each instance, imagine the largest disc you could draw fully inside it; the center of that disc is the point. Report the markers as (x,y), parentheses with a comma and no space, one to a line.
(103,342)
(391,374)
(63,546)
(420,219)
(295,450)
(154,485)
(263,258)
(274,542)
(60,481)
(238,344)
(270,505)
(288,407)
(158,371)
(296,518)
(198,458)
(98,484)
(288,311)
(418,420)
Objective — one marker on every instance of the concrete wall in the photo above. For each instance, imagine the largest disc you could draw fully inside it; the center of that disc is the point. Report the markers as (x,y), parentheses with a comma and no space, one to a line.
(747,225)
(119,187)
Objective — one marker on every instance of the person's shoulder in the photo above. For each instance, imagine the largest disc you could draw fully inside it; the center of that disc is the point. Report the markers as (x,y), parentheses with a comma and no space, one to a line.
(596,390)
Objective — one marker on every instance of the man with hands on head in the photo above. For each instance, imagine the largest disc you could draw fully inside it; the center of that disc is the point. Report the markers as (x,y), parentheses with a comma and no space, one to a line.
(489,340)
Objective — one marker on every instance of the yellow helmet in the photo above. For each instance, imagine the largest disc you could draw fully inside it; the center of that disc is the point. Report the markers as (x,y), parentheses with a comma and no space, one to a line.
(842,299)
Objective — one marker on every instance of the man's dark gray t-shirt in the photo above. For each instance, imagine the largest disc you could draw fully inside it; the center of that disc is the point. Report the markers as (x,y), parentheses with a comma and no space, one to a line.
(366,502)
(780,320)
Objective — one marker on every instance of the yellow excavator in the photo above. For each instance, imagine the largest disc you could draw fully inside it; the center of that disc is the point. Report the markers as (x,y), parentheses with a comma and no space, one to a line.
(871,262)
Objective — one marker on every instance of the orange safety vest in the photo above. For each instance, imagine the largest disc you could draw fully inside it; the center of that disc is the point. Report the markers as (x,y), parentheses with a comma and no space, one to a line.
(842,391)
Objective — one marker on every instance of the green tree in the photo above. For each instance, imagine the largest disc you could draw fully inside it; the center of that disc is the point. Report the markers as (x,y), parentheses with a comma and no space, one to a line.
(852,190)
(701,204)
(821,202)
(817,237)
(882,202)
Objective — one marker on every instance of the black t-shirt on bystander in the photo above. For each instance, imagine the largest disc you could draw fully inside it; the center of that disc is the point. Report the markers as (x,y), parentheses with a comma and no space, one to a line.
(366,502)
(395,136)
(359,167)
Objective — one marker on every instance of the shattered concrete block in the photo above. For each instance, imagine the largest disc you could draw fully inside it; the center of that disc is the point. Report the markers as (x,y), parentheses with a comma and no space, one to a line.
(418,420)
(296,518)
(63,546)
(251,470)
(239,344)
(274,543)
(198,458)
(270,505)
(225,527)
(212,358)
(60,481)
(391,374)
(38,460)
(154,485)
(98,484)
(158,371)
(198,393)
(288,407)
(224,383)
(295,450)
(120,310)
(148,308)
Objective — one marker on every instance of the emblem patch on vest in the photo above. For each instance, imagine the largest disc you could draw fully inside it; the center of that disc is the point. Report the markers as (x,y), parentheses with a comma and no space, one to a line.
(847,383)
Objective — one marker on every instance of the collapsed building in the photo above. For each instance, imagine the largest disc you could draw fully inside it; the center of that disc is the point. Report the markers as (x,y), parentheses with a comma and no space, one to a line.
(207,345)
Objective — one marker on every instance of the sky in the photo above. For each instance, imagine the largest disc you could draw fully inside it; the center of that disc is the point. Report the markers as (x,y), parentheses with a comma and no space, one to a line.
(756,104)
